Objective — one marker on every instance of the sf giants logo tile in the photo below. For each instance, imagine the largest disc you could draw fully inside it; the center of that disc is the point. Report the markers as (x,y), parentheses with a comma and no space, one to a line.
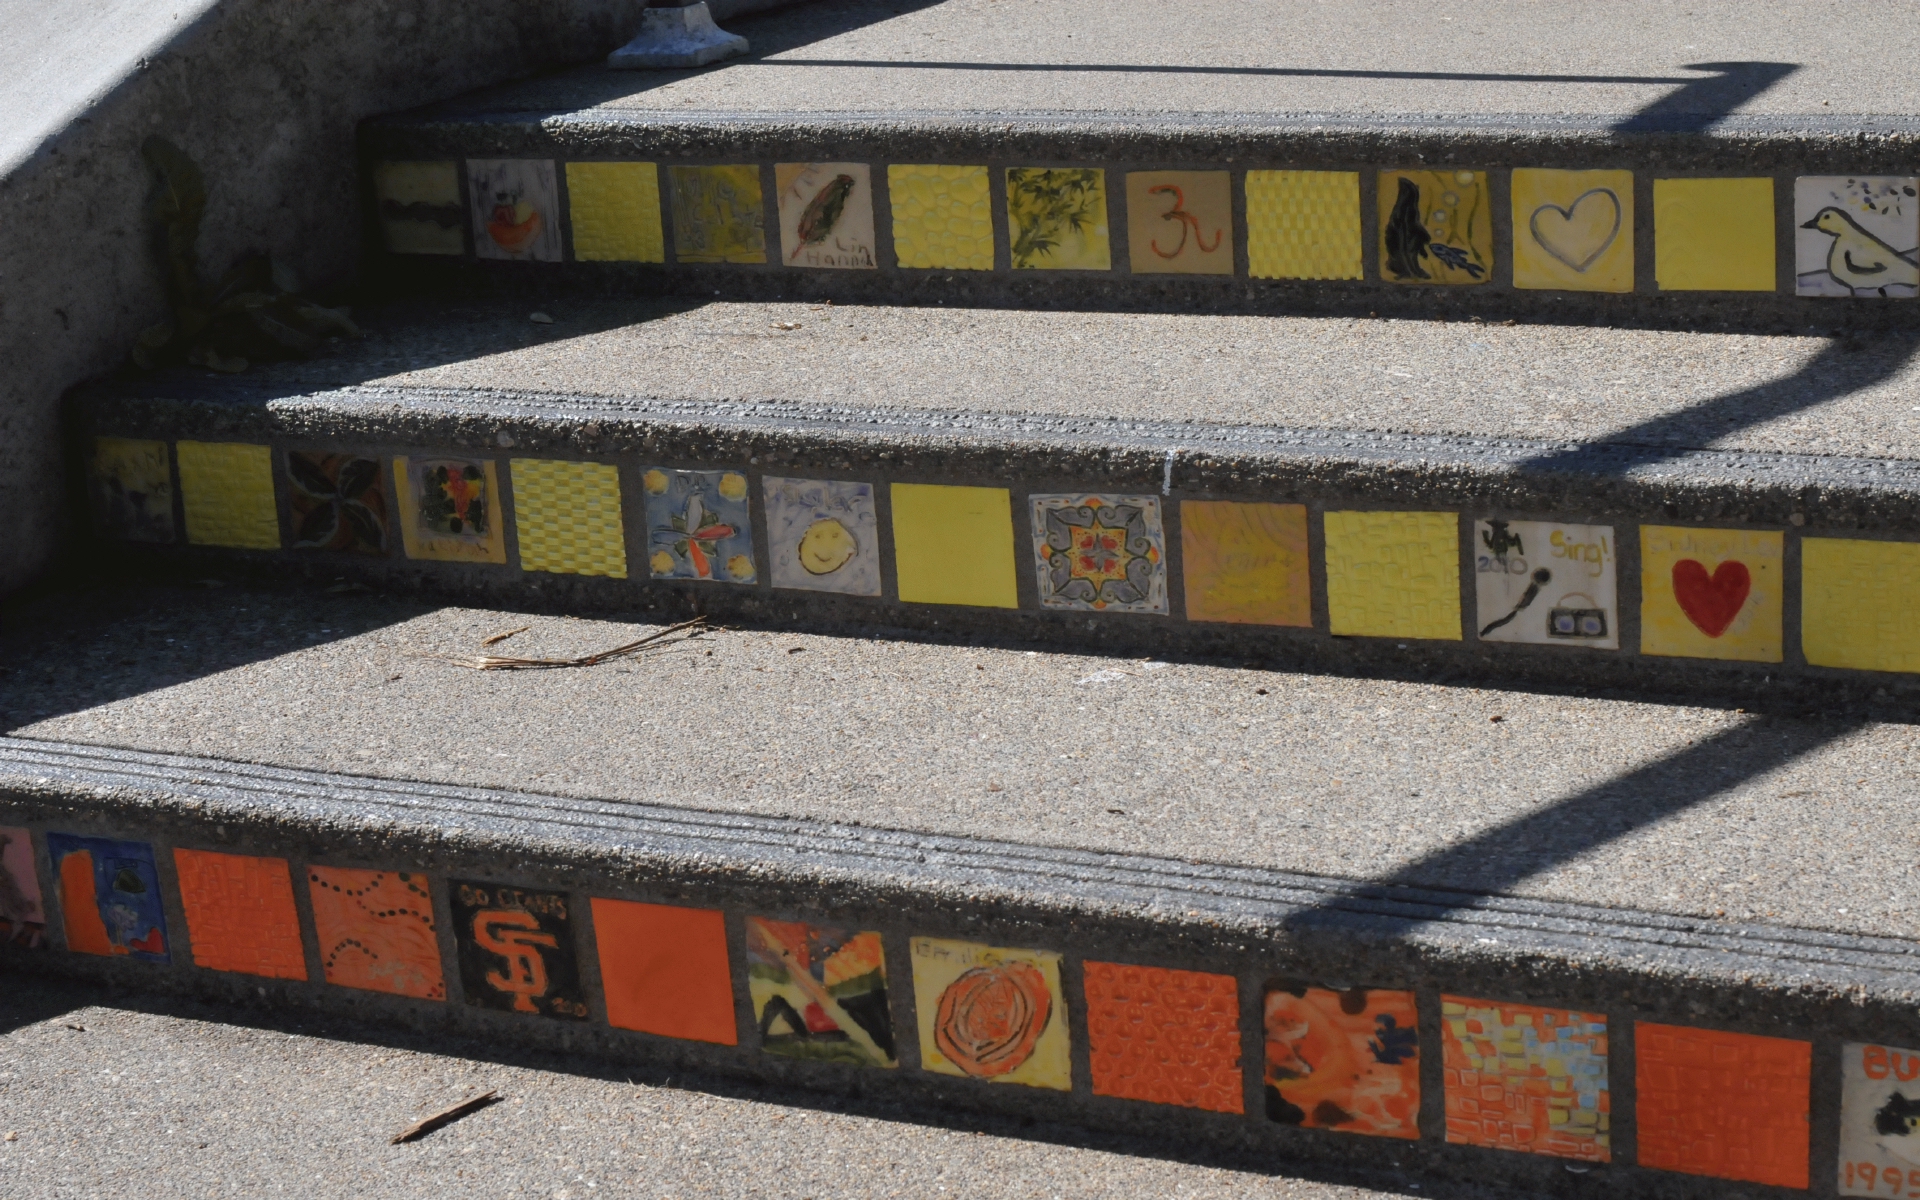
(516,950)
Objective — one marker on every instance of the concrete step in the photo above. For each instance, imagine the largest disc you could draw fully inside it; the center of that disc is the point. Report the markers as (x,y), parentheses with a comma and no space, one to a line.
(1071,156)
(1570,947)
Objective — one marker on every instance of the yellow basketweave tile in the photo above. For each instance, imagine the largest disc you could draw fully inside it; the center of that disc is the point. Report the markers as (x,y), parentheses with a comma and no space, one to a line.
(1713,235)
(568,517)
(942,216)
(226,489)
(1394,574)
(1860,604)
(954,545)
(1303,224)
(616,212)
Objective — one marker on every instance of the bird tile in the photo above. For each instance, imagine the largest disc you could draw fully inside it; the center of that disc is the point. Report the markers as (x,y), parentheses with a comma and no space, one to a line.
(826,215)
(1856,235)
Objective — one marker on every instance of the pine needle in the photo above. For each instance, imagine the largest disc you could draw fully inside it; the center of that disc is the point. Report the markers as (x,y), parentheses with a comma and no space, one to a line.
(671,635)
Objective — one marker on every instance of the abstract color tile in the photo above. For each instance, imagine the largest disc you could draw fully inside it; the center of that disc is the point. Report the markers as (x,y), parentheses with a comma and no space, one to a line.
(131,485)
(942,217)
(1436,227)
(1393,574)
(819,992)
(337,502)
(240,914)
(1180,222)
(991,1013)
(1545,583)
(615,208)
(420,209)
(1859,606)
(516,209)
(516,950)
(226,491)
(1245,563)
(823,535)
(826,215)
(698,525)
(568,514)
(376,931)
(1057,219)
(109,896)
(1303,225)
(954,545)
(23,914)
(1573,230)
(1171,1037)
(1346,1060)
(719,215)
(1710,593)
(1100,553)
(1524,1078)
(1879,1121)
(1730,1105)
(1713,235)
(664,970)
(450,509)
(1856,235)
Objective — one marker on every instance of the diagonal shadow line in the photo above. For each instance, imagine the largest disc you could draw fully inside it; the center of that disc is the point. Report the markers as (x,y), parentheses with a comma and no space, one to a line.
(1840,369)
(1697,104)
(1494,860)
(1262,72)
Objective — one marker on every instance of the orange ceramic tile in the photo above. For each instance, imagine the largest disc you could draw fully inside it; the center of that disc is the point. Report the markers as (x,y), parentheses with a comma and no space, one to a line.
(376,931)
(1730,1105)
(1347,1059)
(240,913)
(1172,1037)
(664,970)
(1245,562)
(1521,1077)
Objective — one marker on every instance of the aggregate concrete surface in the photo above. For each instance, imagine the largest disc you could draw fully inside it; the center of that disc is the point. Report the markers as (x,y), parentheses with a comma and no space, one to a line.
(1384,58)
(1670,808)
(172,1098)
(1807,393)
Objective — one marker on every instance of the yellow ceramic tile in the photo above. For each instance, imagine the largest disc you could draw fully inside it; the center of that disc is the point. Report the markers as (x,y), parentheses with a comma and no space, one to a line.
(1710,593)
(226,489)
(1573,230)
(616,212)
(1860,604)
(1057,218)
(1180,222)
(1245,563)
(942,217)
(450,509)
(991,1013)
(719,215)
(568,517)
(1713,235)
(1436,227)
(954,545)
(131,482)
(1303,224)
(1394,574)
(420,208)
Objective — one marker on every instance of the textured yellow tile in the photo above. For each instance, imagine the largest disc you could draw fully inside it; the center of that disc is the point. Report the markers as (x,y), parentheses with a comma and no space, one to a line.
(1057,218)
(942,217)
(1245,563)
(1573,230)
(1710,593)
(1860,604)
(226,489)
(1303,224)
(1180,222)
(1713,235)
(954,545)
(1394,574)
(420,208)
(568,517)
(1436,227)
(616,212)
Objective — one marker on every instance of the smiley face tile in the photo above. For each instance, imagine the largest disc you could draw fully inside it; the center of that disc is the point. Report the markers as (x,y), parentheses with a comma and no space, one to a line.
(823,535)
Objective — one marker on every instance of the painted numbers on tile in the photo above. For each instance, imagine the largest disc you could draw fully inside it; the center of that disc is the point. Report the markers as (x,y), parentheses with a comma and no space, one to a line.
(663,970)
(719,215)
(516,209)
(942,216)
(131,485)
(1180,222)
(1545,583)
(1303,225)
(240,914)
(450,509)
(516,950)
(1521,1077)
(954,545)
(1879,1121)
(1347,1060)
(991,1013)
(1165,1036)
(23,914)
(826,215)
(1729,1105)
(1713,235)
(819,992)
(698,525)
(1100,553)
(1245,563)
(376,931)
(615,208)
(1856,235)
(1057,218)
(1573,230)
(1860,604)
(109,896)
(1436,227)
(1393,574)
(823,535)
(337,503)
(568,516)
(226,491)
(420,210)
(1710,593)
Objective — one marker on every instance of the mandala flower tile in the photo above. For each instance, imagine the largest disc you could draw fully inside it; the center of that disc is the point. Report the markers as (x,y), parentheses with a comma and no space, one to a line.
(954,545)
(942,216)
(376,931)
(1245,562)
(1180,222)
(1303,225)
(240,914)
(1347,1060)
(23,914)
(568,517)
(698,526)
(1860,604)
(516,950)
(1713,235)
(1573,230)
(1730,1105)
(823,535)
(1857,235)
(1436,227)
(419,206)
(991,1013)
(826,215)
(719,215)
(1393,574)
(1105,553)
(664,970)
(1711,593)
(131,485)
(337,502)
(109,896)
(1521,1077)
(1546,583)
(1879,1120)
(1057,218)
(226,491)
(450,509)
(516,209)
(1170,1037)
(615,208)
(819,992)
